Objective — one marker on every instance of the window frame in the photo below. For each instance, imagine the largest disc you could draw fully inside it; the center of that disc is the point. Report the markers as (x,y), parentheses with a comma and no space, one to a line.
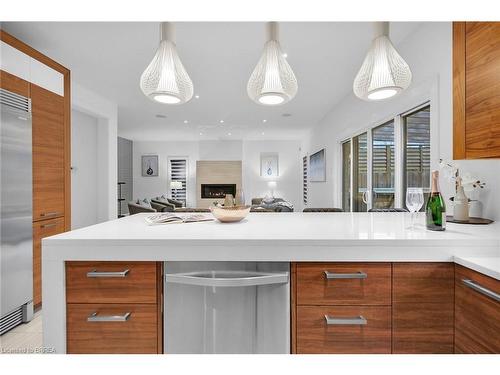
(399,149)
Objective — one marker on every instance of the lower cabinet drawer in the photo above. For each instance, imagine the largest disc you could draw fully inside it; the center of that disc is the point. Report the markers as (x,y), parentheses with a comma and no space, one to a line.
(349,329)
(112,328)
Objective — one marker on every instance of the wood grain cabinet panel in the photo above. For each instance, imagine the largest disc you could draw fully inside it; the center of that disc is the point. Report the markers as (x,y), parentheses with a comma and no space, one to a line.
(42,229)
(477,316)
(315,336)
(314,288)
(14,84)
(423,282)
(423,307)
(137,334)
(423,328)
(476,90)
(48,154)
(138,285)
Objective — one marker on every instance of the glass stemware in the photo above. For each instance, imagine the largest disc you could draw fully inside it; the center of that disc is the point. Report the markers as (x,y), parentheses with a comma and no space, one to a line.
(414,201)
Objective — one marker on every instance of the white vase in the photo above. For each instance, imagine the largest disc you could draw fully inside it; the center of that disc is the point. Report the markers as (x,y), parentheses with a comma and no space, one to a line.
(460,203)
(476,209)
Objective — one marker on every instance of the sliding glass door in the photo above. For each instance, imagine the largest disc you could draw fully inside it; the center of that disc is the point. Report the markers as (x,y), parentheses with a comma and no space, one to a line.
(383,166)
(380,164)
(360,193)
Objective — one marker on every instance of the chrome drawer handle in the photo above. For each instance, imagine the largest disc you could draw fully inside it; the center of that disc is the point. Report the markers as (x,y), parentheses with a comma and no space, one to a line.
(95,273)
(481,289)
(358,321)
(46,214)
(358,275)
(108,318)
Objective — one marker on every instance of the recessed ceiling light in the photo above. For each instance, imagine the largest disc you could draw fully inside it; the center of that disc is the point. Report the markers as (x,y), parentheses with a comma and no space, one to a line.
(264,120)
(286,115)
(186,121)
(262,133)
(197,96)
(228,133)
(285,55)
(160,116)
(201,133)
(221,121)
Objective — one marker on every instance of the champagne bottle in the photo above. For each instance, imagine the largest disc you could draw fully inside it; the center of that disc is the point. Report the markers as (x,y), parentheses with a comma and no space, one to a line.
(435,209)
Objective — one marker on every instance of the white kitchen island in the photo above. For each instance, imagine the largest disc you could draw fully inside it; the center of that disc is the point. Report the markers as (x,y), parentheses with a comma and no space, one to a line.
(269,237)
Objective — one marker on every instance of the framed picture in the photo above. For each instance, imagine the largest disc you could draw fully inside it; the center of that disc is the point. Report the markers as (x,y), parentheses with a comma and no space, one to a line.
(149,165)
(269,164)
(317,166)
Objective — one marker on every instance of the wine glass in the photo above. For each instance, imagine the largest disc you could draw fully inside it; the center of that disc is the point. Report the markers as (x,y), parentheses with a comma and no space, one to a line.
(414,201)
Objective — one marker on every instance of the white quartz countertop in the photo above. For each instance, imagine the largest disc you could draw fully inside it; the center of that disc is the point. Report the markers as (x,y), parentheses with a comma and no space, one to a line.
(277,237)
(489,266)
(390,229)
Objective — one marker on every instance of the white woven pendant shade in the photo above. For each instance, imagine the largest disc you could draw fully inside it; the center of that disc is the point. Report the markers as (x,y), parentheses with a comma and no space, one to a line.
(384,73)
(272,82)
(165,80)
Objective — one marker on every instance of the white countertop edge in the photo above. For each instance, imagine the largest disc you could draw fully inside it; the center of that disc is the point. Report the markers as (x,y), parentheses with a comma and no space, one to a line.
(489,266)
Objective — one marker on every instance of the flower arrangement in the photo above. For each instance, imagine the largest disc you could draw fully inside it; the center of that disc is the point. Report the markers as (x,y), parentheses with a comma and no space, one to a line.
(451,172)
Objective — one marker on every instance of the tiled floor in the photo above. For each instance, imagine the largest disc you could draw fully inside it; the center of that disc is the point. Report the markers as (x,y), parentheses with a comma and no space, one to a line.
(25,338)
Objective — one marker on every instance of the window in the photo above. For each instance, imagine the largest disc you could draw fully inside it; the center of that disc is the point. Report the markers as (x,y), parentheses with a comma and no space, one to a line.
(417,150)
(370,176)
(383,165)
(178,172)
(304,180)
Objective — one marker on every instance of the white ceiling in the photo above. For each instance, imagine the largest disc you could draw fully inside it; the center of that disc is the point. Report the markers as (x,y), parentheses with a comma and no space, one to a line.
(109,58)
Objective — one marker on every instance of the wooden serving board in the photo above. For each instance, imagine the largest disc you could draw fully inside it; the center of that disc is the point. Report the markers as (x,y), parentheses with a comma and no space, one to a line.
(472,220)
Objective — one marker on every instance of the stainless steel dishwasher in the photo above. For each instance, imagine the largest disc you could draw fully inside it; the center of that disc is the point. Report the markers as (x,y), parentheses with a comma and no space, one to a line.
(227,307)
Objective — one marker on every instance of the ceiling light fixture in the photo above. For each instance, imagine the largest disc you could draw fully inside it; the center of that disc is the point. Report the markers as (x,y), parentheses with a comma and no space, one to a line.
(228,133)
(186,121)
(272,81)
(197,96)
(165,80)
(264,120)
(384,72)
(221,121)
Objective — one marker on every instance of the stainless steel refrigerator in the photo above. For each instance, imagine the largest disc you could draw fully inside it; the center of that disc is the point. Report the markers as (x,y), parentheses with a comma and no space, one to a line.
(16,212)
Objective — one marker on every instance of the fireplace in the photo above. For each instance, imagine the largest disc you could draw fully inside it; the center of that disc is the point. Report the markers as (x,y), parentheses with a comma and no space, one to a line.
(217,191)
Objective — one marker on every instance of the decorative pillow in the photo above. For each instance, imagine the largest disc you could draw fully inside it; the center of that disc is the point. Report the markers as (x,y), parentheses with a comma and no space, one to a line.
(145,202)
(268,200)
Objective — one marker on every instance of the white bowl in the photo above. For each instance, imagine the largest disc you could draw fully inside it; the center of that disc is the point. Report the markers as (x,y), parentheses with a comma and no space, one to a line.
(230,214)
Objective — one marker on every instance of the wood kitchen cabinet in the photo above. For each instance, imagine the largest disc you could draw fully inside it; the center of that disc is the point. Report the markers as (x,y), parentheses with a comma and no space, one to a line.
(372,307)
(114,307)
(476,90)
(341,308)
(422,308)
(48,154)
(42,229)
(477,312)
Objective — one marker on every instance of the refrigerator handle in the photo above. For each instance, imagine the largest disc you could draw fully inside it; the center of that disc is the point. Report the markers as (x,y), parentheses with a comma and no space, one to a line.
(240,278)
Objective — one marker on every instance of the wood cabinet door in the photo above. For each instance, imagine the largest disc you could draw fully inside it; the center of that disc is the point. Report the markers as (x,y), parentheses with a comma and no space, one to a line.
(344,283)
(476,90)
(112,329)
(344,333)
(477,315)
(48,154)
(42,229)
(422,310)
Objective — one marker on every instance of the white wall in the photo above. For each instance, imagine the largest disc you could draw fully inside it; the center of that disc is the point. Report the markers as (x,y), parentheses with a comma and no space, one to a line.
(428,52)
(149,187)
(84,170)
(288,184)
(106,112)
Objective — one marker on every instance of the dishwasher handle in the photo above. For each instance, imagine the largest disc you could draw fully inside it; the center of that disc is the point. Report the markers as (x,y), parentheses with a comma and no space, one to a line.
(227,278)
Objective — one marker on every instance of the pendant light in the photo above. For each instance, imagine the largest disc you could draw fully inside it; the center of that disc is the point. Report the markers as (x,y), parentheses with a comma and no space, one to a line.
(272,81)
(165,80)
(384,73)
